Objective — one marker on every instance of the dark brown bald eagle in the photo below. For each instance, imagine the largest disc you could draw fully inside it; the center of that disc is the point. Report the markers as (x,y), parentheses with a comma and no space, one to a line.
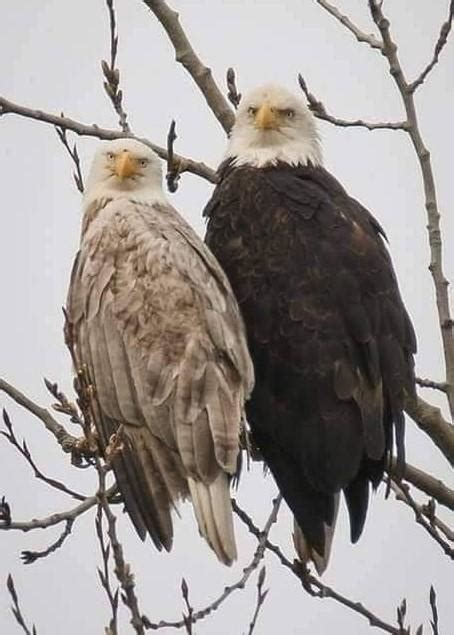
(330,338)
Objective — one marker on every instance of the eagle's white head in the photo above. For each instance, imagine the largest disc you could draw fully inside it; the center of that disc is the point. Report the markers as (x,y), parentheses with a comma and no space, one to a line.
(125,168)
(274,125)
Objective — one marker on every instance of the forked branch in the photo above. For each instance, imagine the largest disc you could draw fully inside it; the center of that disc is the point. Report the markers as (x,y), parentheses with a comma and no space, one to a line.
(433,213)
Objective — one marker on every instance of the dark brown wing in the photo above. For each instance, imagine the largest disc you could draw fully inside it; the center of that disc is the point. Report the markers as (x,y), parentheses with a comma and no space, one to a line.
(331,341)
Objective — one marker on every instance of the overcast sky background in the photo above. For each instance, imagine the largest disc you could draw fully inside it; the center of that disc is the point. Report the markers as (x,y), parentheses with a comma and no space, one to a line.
(50,54)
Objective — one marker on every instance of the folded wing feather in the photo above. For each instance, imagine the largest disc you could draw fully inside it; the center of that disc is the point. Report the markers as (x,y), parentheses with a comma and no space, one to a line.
(155,322)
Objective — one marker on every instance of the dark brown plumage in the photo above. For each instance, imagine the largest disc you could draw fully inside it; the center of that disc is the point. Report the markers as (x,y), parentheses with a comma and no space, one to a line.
(330,338)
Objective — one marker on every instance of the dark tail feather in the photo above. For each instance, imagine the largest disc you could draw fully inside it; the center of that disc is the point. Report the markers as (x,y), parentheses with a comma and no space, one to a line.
(137,496)
(357,499)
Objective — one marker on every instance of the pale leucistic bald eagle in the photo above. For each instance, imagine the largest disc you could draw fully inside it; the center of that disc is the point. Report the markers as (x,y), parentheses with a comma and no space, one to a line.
(156,324)
(329,336)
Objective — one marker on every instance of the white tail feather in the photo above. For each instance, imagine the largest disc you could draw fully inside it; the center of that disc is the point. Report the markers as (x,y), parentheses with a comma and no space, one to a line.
(213,511)
(306,552)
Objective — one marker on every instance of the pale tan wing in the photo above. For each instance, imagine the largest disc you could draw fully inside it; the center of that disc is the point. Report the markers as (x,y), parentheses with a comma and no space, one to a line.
(165,346)
(149,474)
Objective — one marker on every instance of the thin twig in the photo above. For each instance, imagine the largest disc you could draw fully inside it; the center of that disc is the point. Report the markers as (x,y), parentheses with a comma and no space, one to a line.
(233,95)
(262,536)
(319,111)
(187,617)
(186,165)
(28,557)
(367,38)
(401,616)
(73,153)
(67,442)
(63,404)
(25,452)
(5,513)
(261,597)
(16,608)
(433,606)
(439,46)
(173,167)
(112,74)
(104,574)
(185,55)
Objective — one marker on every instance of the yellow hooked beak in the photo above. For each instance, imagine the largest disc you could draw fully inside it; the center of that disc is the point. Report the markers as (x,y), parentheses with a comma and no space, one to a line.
(125,165)
(266,118)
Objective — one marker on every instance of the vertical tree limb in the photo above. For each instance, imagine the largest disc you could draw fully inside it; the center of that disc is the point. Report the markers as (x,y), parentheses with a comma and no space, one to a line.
(389,51)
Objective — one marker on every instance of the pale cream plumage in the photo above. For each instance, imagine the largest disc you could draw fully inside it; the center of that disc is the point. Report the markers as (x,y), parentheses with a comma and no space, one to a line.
(155,321)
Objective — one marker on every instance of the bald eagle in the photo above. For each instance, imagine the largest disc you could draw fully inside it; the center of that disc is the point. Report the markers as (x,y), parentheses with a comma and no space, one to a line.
(156,324)
(331,341)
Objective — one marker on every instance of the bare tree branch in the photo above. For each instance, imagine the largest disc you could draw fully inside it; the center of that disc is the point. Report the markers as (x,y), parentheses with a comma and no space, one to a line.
(433,606)
(439,46)
(261,597)
(67,442)
(319,110)
(433,487)
(402,492)
(57,518)
(104,575)
(28,557)
(367,38)
(187,617)
(428,383)
(173,168)
(16,608)
(112,74)
(186,165)
(310,582)
(262,536)
(430,420)
(428,510)
(122,569)
(5,512)
(185,55)
(77,174)
(433,214)
(25,452)
(233,95)
(401,615)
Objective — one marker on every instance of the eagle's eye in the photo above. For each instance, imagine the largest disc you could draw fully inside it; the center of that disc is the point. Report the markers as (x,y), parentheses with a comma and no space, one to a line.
(252,111)
(110,156)
(143,162)
(289,113)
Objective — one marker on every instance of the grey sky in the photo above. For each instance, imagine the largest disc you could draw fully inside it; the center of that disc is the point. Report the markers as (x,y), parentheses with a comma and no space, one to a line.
(50,53)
